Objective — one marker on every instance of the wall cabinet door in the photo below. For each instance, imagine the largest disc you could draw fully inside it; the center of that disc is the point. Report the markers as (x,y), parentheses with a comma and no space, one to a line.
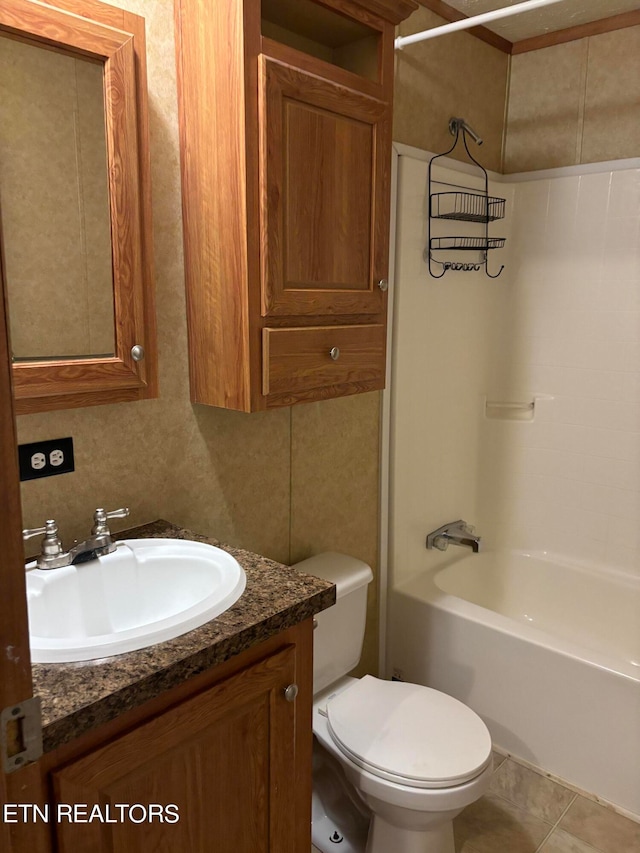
(226,758)
(324,193)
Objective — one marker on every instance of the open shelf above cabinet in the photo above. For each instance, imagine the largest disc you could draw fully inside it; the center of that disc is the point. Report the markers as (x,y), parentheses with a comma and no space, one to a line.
(323,33)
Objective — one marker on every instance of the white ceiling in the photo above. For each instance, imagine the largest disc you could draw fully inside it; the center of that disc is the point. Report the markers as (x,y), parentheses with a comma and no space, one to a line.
(557,16)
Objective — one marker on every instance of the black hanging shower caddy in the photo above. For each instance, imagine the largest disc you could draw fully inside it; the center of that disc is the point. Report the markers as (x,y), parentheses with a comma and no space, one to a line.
(463,206)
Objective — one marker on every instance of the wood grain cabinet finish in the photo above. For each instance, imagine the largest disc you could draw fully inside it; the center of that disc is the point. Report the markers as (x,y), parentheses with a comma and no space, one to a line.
(226,758)
(311,358)
(323,195)
(285,122)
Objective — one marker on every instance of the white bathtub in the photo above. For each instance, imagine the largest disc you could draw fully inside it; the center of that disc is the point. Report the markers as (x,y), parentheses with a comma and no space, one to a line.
(548,653)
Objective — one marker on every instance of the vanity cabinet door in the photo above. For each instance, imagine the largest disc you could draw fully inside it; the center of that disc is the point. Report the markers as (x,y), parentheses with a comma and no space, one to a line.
(225,758)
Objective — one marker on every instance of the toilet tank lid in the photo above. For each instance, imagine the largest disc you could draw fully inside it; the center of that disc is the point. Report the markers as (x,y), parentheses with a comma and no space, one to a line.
(347,573)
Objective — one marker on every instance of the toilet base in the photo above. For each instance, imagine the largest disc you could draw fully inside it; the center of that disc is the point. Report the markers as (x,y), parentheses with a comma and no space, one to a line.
(340,821)
(384,837)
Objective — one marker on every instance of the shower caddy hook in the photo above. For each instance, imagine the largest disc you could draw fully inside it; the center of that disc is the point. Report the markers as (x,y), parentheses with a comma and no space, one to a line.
(467,206)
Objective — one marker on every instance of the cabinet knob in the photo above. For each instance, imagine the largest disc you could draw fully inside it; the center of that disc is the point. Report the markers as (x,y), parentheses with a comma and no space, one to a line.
(334,352)
(291,692)
(383,284)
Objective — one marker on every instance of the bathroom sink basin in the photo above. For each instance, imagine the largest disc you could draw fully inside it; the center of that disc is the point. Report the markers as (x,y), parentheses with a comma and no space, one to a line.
(145,592)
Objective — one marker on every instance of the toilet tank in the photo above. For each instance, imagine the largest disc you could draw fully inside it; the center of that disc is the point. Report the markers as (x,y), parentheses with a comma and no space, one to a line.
(337,640)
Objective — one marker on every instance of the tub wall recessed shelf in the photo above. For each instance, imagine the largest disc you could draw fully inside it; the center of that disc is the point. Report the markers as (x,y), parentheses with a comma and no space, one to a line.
(509,410)
(466,205)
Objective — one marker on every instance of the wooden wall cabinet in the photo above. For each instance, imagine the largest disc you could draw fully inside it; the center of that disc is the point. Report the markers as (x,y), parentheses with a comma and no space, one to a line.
(285,123)
(235,759)
(115,39)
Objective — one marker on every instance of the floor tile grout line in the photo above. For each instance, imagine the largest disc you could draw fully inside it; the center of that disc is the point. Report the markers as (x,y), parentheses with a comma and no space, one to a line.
(573,799)
(557,823)
(545,839)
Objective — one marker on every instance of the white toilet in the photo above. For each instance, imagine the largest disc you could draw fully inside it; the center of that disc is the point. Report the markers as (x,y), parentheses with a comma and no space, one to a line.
(394,762)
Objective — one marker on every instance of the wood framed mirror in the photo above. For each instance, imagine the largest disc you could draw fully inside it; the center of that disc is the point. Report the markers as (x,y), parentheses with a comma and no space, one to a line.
(105,46)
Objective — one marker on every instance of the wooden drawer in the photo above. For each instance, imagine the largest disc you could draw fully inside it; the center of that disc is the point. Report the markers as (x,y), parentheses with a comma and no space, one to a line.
(299,359)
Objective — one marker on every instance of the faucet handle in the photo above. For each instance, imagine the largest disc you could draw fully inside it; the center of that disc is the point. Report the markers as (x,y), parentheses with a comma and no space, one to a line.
(100,516)
(51,547)
(30,532)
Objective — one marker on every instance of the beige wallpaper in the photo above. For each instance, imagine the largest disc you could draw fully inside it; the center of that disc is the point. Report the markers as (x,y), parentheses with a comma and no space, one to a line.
(55,202)
(286,483)
(334,489)
(574,103)
(454,75)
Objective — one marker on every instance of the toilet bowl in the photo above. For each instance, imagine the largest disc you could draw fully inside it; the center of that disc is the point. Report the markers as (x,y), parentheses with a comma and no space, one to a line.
(413,756)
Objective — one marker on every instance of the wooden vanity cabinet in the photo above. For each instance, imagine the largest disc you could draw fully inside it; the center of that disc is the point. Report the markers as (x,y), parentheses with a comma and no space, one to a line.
(285,123)
(235,758)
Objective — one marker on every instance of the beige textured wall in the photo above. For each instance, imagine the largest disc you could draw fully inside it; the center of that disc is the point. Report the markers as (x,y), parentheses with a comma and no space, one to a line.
(454,75)
(334,489)
(575,103)
(286,483)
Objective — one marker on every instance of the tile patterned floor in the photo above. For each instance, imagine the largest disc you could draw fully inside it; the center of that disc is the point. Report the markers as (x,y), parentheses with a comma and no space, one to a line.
(527,812)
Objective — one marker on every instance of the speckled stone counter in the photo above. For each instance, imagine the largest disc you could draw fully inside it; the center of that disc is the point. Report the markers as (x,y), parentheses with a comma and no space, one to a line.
(77,697)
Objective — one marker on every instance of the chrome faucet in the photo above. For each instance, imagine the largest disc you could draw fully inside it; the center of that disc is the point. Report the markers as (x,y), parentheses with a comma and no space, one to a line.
(52,554)
(456,533)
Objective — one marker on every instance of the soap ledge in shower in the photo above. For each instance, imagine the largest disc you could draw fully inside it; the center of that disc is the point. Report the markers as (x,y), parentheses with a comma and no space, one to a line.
(509,411)
(513,410)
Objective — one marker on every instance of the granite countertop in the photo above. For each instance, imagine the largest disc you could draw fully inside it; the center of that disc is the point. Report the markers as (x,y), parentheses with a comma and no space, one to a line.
(77,697)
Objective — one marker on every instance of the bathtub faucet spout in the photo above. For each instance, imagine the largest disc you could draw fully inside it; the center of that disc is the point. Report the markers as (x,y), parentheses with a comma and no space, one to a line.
(456,533)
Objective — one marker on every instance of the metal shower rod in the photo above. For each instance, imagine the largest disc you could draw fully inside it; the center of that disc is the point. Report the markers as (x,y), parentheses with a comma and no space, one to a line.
(476,21)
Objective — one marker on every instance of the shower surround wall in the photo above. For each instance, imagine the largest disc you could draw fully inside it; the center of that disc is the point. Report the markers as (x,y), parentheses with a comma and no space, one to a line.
(561,325)
(444,334)
(569,481)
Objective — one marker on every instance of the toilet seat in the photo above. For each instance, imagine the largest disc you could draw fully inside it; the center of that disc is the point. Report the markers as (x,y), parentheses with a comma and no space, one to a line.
(408,734)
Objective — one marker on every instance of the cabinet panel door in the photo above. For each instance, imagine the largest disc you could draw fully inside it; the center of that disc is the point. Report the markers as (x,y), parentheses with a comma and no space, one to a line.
(325,164)
(225,758)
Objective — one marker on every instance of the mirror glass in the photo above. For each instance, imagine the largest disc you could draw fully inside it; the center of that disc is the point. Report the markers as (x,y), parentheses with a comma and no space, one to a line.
(54,204)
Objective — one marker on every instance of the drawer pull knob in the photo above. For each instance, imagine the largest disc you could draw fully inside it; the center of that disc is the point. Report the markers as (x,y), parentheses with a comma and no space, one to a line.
(383,284)
(334,352)
(291,692)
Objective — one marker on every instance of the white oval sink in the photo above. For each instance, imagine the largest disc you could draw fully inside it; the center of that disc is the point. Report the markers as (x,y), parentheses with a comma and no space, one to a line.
(145,592)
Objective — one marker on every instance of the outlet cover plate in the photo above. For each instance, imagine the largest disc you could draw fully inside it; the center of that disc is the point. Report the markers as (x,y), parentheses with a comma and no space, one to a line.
(46,458)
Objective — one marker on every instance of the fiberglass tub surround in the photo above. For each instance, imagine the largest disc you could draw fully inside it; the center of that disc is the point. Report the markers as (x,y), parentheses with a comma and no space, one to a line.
(540,632)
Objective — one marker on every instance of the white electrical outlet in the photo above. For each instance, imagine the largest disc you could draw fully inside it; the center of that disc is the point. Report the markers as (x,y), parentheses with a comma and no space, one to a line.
(38,461)
(56,457)
(46,458)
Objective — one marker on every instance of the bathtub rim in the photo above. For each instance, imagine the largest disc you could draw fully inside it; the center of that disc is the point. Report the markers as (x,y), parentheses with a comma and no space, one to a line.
(423,587)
